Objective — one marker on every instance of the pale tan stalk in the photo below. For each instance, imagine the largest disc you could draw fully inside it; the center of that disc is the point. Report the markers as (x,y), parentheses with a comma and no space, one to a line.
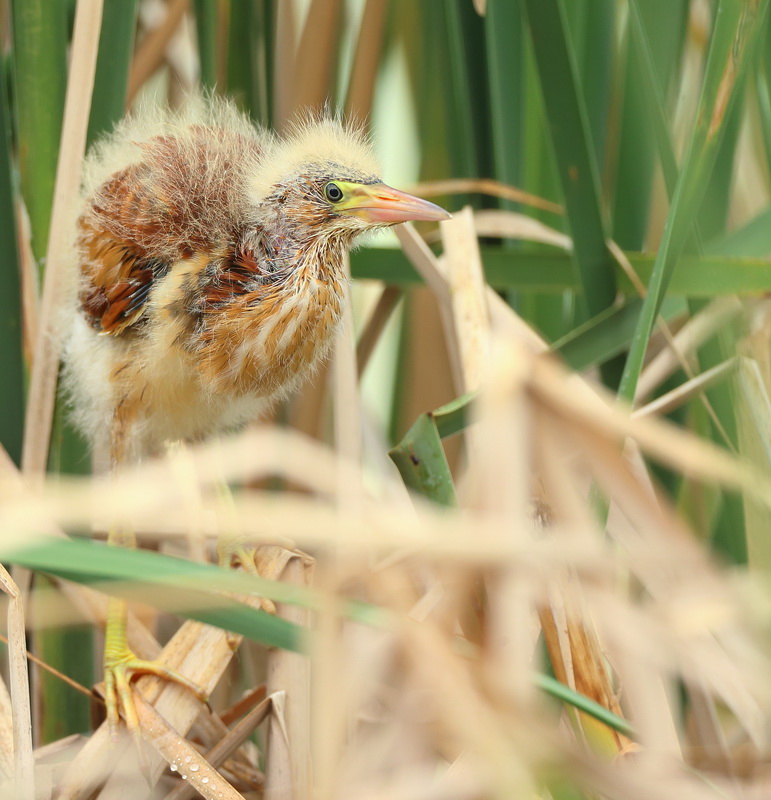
(45,365)
(151,52)
(288,763)
(23,764)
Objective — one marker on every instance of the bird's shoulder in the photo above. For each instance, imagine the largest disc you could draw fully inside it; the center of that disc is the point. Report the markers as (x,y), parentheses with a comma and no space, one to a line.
(182,196)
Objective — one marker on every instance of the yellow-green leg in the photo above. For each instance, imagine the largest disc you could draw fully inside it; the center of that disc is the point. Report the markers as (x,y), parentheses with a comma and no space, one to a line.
(233,551)
(120,663)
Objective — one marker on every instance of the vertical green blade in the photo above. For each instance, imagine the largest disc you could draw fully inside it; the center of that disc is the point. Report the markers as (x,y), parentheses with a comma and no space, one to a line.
(206,31)
(570,134)
(39,41)
(736,32)
(116,44)
(11,359)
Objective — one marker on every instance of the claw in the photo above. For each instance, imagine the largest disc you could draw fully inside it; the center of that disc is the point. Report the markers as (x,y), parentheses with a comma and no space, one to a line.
(121,666)
(118,693)
(246,558)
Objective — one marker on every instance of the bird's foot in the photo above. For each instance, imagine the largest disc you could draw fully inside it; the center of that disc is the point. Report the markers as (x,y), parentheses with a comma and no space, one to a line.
(119,670)
(257,561)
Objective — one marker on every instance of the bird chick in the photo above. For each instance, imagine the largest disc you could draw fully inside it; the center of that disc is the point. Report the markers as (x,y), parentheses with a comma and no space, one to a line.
(211,277)
(210,283)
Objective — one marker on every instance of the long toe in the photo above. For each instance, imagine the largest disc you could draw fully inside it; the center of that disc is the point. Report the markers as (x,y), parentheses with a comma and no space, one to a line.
(119,698)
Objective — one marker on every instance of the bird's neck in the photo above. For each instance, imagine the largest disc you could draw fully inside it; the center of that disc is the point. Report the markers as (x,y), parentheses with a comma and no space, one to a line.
(303,255)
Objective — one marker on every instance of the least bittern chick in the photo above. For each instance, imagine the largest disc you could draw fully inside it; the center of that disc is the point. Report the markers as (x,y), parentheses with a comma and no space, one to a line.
(211,283)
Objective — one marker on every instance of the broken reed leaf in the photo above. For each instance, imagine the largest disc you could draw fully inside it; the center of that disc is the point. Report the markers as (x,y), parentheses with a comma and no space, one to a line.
(422,463)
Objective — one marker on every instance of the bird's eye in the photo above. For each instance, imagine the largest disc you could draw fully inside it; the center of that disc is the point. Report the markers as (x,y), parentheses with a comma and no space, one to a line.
(333,193)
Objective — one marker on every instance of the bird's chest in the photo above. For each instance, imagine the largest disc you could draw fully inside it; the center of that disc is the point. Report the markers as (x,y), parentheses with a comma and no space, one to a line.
(276,339)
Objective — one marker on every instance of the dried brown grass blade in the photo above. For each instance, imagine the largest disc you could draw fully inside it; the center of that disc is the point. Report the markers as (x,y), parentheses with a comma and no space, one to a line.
(358,104)
(686,391)
(284,72)
(502,224)
(228,745)
(23,761)
(288,762)
(686,341)
(468,299)
(429,268)
(373,329)
(347,411)
(30,289)
(662,440)
(316,55)
(151,53)
(182,757)
(6,735)
(45,365)
(484,186)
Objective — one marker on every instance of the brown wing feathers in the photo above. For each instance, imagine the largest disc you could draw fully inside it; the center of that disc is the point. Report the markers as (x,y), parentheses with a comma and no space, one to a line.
(174,202)
(118,281)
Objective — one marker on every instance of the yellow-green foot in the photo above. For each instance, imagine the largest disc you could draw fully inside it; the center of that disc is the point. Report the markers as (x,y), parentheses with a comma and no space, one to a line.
(258,561)
(118,694)
(121,666)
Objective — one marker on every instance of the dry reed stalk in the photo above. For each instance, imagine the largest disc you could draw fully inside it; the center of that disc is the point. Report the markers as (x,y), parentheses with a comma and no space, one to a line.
(574,647)
(30,288)
(753,391)
(228,744)
(662,440)
(511,225)
(375,325)
(288,759)
(457,699)
(465,278)
(358,103)
(677,397)
(182,757)
(133,498)
(484,186)
(284,63)
(315,56)
(151,53)
(23,780)
(347,410)
(697,330)
(45,365)
(429,268)
(6,734)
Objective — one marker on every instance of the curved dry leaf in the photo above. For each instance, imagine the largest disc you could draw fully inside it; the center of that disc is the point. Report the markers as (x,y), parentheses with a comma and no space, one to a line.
(512,225)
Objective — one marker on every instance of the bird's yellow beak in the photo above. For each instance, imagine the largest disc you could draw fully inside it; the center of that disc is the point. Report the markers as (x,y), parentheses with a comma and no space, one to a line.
(378,203)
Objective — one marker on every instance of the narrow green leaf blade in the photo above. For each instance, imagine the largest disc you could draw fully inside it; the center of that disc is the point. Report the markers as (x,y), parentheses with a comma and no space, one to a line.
(570,135)
(737,28)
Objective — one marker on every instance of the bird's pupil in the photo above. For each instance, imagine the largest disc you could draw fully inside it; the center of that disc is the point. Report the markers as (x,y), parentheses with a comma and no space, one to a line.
(334,192)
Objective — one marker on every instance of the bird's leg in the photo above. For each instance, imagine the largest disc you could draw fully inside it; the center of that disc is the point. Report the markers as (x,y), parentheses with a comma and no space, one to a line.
(120,663)
(234,551)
